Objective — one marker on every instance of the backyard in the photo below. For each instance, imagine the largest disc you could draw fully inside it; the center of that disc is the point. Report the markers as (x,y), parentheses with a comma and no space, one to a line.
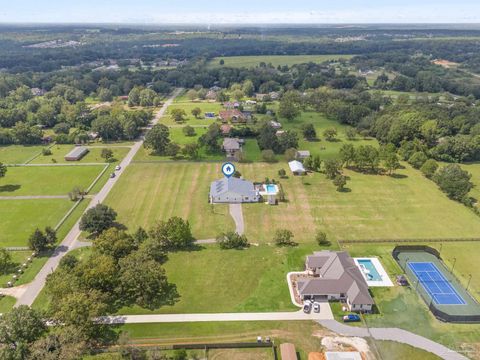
(275,60)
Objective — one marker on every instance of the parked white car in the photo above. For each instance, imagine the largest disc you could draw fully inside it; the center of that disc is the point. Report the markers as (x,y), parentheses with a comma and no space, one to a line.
(316,307)
(117,167)
(307,306)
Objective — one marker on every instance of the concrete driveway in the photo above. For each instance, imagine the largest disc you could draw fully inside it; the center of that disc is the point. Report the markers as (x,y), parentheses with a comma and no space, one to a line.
(237,214)
(324,314)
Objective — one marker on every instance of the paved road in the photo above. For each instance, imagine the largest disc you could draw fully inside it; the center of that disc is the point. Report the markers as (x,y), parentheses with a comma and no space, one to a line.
(325,313)
(394,334)
(237,214)
(34,197)
(70,242)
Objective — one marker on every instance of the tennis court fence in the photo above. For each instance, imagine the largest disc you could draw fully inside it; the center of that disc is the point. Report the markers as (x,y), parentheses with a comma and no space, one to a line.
(439,314)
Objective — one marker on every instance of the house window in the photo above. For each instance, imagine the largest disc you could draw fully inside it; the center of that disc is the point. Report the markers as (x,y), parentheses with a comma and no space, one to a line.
(246,197)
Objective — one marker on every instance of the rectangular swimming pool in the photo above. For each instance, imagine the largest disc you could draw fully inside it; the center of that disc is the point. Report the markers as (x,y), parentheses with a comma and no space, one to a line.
(369,270)
(271,189)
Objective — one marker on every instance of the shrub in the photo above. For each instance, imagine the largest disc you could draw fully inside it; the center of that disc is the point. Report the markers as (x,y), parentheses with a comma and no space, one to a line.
(46,152)
(322,239)
(268,155)
(232,240)
(429,168)
(284,237)
(417,159)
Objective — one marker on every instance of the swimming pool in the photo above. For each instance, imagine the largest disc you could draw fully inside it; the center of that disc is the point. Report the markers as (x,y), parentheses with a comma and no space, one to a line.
(369,270)
(271,189)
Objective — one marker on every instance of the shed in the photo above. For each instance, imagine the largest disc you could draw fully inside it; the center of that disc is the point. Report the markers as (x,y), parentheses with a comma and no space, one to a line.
(303,154)
(77,153)
(288,352)
(297,167)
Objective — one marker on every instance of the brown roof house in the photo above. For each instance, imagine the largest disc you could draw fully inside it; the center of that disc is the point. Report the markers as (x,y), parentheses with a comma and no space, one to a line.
(232,147)
(234,116)
(334,276)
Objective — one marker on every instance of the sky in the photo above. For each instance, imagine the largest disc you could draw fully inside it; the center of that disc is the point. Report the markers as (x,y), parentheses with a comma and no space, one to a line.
(245,11)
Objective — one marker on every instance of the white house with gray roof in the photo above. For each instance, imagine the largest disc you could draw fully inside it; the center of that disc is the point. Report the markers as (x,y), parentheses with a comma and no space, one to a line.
(334,276)
(233,191)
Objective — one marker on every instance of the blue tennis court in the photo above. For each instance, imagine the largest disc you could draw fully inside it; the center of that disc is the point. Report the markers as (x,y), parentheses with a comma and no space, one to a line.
(437,286)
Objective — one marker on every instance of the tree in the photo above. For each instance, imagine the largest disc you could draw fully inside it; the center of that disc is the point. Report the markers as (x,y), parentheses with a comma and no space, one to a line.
(188,130)
(429,168)
(178,115)
(172,149)
(98,219)
(283,237)
(196,112)
(3,170)
(222,62)
(391,162)
(66,343)
(289,107)
(417,159)
(50,235)
(173,234)
(238,95)
(367,156)
(115,243)
(191,150)
(330,134)
(192,94)
(347,154)
(316,163)
(309,132)
(105,94)
(321,238)
(282,173)
(157,139)
(248,88)
(454,181)
(6,262)
(232,240)
(291,154)
(107,154)
(134,97)
(332,168)
(37,241)
(19,328)
(268,155)
(350,133)
(340,181)
(143,282)
(210,138)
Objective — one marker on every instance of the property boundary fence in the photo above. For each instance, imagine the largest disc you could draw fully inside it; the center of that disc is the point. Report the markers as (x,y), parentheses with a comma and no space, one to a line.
(395,241)
(439,314)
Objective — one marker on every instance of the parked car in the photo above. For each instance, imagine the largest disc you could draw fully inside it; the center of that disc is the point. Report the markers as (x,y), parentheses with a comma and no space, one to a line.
(307,306)
(316,307)
(112,175)
(351,318)
(118,167)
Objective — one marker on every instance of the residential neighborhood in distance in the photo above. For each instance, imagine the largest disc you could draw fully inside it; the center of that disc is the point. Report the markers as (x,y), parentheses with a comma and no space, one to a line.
(198,180)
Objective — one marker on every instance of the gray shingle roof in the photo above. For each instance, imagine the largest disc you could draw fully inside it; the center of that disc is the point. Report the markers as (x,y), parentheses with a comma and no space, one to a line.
(338,275)
(232,185)
(231,144)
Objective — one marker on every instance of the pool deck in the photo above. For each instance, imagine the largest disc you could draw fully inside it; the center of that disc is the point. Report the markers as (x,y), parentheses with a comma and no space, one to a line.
(385,282)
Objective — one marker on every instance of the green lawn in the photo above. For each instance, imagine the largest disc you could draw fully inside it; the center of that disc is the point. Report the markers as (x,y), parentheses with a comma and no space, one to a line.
(47,180)
(21,217)
(325,149)
(231,280)
(188,106)
(6,304)
(275,60)
(17,154)
(304,334)
(173,189)
(94,156)
(375,207)
(392,350)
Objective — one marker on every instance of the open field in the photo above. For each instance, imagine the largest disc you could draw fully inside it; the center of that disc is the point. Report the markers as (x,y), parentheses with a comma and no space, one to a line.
(392,350)
(94,156)
(47,180)
(21,217)
(241,354)
(188,106)
(275,60)
(17,154)
(325,149)
(161,191)
(305,335)
(376,207)
(251,280)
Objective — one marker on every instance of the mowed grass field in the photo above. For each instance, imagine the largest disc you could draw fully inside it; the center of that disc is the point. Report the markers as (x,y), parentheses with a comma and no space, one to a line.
(407,206)
(247,280)
(188,106)
(17,154)
(275,60)
(47,180)
(19,218)
(94,156)
(151,192)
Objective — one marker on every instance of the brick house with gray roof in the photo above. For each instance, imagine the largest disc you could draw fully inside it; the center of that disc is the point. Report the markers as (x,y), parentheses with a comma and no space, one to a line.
(335,276)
